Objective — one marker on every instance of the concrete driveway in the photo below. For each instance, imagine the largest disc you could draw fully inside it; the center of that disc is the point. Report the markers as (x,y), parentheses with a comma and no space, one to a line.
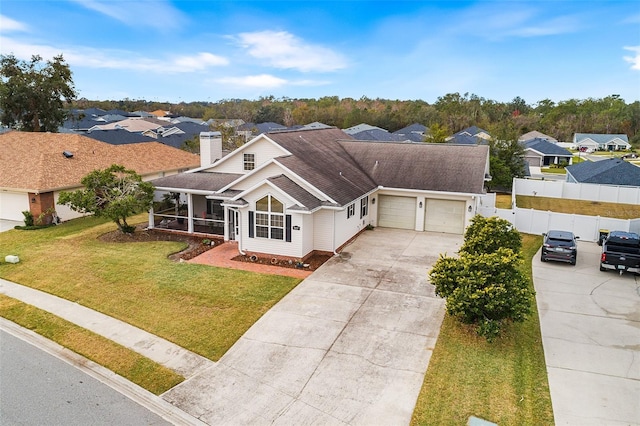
(349,345)
(590,323)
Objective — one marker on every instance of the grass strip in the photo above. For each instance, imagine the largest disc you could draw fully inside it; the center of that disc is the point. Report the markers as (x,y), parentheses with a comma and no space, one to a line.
(132,366)
(504,382)
(583,207)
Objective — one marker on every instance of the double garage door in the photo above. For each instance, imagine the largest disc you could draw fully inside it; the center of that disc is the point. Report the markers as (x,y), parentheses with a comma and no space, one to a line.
(440,215)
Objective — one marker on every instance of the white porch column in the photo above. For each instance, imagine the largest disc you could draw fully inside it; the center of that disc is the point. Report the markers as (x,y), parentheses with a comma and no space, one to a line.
(189,213)
(226,223)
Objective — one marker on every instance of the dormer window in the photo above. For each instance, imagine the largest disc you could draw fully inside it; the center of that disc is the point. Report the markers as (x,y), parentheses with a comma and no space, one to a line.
(249,162)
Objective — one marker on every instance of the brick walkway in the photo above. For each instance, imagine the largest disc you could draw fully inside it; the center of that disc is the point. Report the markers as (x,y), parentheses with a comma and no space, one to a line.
(223,254)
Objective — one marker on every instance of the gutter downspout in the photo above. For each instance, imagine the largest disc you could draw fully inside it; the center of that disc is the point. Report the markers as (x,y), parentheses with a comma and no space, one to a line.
(333,235)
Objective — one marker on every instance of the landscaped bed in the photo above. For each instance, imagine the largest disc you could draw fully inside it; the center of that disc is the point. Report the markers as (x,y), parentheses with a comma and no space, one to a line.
(201,308)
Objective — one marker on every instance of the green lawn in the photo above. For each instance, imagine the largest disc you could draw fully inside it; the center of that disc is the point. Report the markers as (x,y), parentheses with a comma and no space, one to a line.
(504,381)
(201,308)
(589,208)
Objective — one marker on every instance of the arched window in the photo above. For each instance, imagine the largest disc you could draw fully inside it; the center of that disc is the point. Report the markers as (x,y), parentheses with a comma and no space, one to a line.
(269,218)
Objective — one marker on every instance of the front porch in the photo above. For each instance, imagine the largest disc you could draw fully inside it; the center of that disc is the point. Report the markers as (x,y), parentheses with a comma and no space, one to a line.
(167,219)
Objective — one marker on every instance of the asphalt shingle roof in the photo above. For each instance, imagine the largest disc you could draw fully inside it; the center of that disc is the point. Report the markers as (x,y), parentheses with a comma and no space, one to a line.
(434,167)
(200,181)
(613,171)
(547,148)
(308,201)
(118,136)
(319,158)
(35,161)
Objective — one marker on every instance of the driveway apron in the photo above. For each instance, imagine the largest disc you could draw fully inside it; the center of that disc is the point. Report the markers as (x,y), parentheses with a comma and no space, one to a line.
(590,325)
(349,345)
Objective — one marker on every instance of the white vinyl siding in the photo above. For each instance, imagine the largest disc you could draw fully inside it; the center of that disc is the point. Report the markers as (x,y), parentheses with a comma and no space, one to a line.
(446,216)
(263,149)
(397,212)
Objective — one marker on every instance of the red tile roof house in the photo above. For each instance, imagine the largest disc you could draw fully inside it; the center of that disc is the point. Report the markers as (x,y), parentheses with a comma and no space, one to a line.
(35,167)
(293,193)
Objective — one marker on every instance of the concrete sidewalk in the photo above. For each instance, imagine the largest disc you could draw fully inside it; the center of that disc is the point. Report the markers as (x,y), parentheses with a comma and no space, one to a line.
(590,325)
(153,347)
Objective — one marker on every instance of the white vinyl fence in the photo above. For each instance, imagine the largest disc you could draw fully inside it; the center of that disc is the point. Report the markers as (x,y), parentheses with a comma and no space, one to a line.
(577,191)
(587,228)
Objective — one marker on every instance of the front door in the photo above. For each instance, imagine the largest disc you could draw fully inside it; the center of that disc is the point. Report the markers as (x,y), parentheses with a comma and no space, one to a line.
(234,224)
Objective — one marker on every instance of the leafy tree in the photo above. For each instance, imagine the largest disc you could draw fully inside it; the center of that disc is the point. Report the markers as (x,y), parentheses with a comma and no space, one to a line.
(437,134)
(488,234)
(506,161)
(484,285)
(32,94)
(115,193)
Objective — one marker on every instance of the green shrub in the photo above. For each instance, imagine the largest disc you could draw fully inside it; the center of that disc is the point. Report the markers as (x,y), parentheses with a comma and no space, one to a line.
(28,218)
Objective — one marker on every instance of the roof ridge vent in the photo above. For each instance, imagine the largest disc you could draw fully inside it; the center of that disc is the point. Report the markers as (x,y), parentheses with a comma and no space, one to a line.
(67,154)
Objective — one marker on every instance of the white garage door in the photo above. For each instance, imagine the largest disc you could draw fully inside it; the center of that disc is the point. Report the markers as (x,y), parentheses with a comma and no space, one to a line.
(397,212)
(444,216)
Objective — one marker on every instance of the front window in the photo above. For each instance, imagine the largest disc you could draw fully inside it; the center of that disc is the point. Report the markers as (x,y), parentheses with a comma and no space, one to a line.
(364,206)
(249,162)
(351,210)
(269,218)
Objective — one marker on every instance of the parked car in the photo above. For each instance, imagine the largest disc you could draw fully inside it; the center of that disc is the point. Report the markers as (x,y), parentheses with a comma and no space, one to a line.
(559,245)
(621,252)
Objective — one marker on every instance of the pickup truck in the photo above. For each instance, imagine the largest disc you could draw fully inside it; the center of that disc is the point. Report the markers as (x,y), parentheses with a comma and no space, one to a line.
(621,252)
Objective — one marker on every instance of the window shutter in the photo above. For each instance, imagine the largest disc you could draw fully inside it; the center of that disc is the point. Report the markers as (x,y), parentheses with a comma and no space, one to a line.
(288,228)
(360,209)
(251,225)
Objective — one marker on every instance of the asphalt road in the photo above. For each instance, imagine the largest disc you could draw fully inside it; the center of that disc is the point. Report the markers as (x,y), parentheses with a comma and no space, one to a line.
(37,388)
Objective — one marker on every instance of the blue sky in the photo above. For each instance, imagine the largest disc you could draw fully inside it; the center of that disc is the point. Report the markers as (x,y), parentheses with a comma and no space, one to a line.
(200,50)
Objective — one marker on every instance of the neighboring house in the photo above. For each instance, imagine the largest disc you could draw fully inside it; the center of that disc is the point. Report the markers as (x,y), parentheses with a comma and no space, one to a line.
(414,132)
(118,136)
(379,135)
(541,153)
(466,139)
(292,193)
(473,131)
(361,128)
(135,125)
(256,129)
(601,142)
(536,135)
(43,164)
(612,171)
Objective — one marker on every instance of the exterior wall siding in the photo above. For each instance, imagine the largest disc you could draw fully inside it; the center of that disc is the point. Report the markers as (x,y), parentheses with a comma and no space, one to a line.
(323,230)
(263,150)
(64,212)
(267,245)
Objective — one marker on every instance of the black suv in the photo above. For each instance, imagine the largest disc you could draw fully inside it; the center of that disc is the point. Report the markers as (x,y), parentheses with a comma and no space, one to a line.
(560,245)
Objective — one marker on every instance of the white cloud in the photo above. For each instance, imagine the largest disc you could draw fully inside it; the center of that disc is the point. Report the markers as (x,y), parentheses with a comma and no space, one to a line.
(200,61)
(284,50)
(158,14)
(633,60)
(114,59)
(264,81)
(499,20)
(7,25)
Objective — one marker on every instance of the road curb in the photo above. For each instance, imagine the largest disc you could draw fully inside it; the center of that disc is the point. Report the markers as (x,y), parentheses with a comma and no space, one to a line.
(129,389)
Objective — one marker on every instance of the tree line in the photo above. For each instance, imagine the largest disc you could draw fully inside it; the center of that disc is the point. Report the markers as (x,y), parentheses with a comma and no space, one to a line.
(35,94)
(449,114)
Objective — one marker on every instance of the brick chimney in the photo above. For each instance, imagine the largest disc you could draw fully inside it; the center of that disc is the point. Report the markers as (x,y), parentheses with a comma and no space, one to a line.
(210,148)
